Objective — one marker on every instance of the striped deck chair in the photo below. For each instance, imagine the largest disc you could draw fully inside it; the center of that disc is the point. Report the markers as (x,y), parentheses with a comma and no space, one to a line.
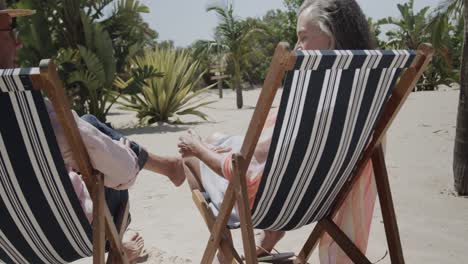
(41,218)
(335,108)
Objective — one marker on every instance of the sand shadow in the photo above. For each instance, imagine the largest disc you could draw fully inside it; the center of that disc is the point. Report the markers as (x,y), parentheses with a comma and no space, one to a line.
(158,129)
(162,128)
(233,108)
(116,113)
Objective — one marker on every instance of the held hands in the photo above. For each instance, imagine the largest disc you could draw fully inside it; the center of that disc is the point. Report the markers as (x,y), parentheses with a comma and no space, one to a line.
(191,145)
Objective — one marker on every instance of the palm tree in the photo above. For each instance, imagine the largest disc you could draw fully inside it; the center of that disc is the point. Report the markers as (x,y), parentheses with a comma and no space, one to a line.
(232,35)
(210,53)
(459,8)
(411,27)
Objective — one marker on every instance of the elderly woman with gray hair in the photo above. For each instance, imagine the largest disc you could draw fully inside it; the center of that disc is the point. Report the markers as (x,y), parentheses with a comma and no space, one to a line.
(321,25)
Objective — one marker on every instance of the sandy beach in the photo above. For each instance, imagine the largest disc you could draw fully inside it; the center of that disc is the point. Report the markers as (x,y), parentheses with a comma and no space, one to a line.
(433,222)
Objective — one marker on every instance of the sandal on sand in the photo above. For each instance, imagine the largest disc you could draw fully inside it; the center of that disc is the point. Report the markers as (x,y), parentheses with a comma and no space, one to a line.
(276,257)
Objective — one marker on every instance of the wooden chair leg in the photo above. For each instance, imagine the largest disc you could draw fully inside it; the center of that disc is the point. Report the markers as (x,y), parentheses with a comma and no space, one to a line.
(248,237)
(310,245)
(226,245)
(386,204)
(121,225)
(245,215)
(344,242)
(114,236)
(219,225)
(99,229)
(227,248)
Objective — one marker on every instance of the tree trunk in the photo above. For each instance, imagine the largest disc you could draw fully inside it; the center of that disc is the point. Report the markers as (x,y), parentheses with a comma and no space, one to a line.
(220,88)
(237,84)
(460,157)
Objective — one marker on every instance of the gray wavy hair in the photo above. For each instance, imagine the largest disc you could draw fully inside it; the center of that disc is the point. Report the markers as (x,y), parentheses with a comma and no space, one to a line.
(342,20)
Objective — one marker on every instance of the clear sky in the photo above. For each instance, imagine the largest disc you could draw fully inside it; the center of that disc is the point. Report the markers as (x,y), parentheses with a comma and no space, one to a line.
(185,21)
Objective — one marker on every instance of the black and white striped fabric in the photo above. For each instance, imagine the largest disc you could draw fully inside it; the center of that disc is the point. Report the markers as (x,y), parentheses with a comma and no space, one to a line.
(329,108)
(41,217)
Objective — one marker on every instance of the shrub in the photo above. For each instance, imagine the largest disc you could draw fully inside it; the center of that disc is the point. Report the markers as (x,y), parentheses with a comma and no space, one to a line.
(167,97)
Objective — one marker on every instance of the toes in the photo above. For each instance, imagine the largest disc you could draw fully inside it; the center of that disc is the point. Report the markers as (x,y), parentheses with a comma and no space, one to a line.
(130,236)
(138,249)
(140,240)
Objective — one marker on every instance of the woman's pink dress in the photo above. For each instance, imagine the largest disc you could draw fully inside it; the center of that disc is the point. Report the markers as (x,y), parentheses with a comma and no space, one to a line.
(354,218)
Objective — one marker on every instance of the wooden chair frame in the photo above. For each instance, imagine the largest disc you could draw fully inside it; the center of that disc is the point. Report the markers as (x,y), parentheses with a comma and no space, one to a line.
(103,224)
(236,193)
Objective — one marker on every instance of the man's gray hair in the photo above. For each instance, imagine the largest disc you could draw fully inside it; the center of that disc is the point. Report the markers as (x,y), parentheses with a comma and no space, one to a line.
(342,20)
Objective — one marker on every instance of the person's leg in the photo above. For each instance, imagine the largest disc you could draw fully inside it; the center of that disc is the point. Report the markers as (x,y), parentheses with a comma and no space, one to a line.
(192,166)
(101,126)
(172,167)
(132,242)
(114,200)
(140,152)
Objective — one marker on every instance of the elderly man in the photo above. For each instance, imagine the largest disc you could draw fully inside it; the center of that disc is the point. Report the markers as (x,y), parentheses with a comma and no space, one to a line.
(10,43)
(117,158)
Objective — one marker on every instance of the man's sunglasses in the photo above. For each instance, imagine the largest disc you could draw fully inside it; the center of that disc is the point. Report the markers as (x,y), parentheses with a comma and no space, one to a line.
(13,29)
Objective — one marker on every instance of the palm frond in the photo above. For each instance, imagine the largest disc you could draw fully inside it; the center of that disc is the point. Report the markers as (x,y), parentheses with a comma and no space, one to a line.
(450,7)
(93,64)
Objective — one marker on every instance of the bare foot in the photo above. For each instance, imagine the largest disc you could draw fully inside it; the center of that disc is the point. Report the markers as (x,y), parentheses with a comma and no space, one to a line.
(133,245)
(266,240)
(176,171)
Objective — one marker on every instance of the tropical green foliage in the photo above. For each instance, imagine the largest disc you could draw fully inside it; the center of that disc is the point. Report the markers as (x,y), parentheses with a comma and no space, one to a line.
(208,53)
(95,43)
(129,33)
(262,46)
(167,96)
(232,34)
(375,29)
(413,28)
(289,28)
(407,31)
(92,42)
(410,27)
(277,26)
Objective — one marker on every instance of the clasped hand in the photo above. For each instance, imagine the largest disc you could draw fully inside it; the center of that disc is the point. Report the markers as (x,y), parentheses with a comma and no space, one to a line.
(191,145)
